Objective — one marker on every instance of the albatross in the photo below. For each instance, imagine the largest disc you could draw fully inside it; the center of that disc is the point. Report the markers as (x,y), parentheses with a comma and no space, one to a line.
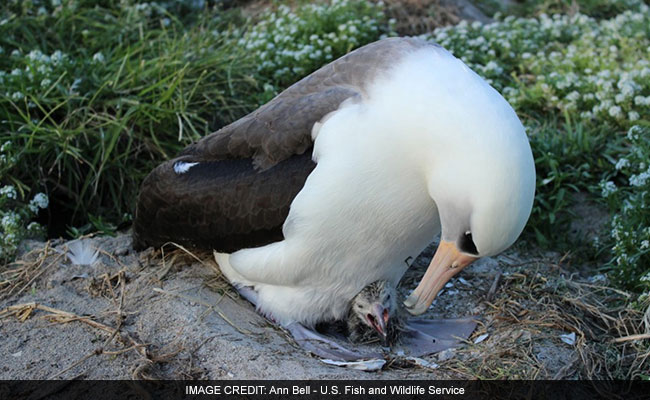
(343,178)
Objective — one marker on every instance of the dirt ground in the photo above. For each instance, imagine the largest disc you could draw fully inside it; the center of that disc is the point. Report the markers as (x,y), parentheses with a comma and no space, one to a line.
(169,315)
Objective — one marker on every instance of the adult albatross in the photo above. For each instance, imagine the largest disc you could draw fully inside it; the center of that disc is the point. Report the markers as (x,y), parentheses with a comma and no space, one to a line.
(345,177)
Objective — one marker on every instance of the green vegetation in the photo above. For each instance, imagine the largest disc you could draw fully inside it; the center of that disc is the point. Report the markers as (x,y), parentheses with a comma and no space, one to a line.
(628,194)
(288,45)
(96,93)
(602,9)
(94,97)
(15,218)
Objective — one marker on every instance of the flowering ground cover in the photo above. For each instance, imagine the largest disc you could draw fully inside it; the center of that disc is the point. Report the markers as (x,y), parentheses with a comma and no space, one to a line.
(93,94)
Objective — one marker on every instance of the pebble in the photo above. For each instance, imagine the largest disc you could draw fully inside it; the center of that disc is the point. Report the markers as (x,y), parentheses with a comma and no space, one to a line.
(446,354)
(481,338)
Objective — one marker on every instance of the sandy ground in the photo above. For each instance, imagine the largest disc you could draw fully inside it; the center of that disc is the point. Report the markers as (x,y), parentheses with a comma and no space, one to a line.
(179,319)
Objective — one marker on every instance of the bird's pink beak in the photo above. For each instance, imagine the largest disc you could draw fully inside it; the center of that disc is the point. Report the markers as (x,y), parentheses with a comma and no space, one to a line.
(447,262)
(378,319)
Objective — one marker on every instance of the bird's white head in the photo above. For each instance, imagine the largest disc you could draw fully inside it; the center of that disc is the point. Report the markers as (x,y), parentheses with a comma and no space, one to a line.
(483,184)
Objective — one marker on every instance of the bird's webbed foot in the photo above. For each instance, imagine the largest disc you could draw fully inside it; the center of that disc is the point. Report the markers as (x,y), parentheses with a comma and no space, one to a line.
(325,347)
(423,336)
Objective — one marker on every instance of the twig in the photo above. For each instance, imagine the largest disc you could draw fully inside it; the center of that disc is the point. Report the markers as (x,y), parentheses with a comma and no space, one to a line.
(42,260)
(22,311)
(112,257)
(95,352)
(167,267)
(185,250)
(494,286)
(118,312)
(621,292)
(640,336)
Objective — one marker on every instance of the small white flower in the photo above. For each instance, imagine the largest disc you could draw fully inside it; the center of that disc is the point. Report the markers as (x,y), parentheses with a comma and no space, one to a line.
(98,58)
(622,163)
(607,188)
(640,179)
(8,191)
(633,133)
(633,115)
(17,96)
(493,66)
(615,111)
(33,227)
(11,239)
(75,85)
(573,96)
(40,200)
(10,221)
(56,57)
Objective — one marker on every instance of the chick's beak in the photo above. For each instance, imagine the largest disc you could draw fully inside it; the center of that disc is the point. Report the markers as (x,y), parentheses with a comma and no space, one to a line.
(447,262)
(378,318)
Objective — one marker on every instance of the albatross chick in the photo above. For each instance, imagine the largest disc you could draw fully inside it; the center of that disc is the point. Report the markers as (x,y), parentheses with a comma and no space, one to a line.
(375,314)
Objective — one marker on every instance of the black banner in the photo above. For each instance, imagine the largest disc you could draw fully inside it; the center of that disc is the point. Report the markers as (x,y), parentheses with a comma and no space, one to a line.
(349,389)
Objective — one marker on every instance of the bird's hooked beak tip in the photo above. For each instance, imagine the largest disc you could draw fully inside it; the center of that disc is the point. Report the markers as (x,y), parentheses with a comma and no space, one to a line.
(447,262)
(379,321)
(414,306)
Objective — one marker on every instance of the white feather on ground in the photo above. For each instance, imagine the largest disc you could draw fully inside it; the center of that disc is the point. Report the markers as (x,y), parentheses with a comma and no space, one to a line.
(81,252)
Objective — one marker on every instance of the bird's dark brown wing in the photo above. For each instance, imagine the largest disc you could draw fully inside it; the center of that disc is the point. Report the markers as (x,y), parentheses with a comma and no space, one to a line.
(224,205)
(248,173)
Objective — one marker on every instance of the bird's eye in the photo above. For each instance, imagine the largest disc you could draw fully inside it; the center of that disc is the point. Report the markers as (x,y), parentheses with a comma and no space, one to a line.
(466,244)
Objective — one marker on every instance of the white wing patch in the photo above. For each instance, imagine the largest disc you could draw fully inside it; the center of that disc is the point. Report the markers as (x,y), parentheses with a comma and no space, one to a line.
(182,167)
